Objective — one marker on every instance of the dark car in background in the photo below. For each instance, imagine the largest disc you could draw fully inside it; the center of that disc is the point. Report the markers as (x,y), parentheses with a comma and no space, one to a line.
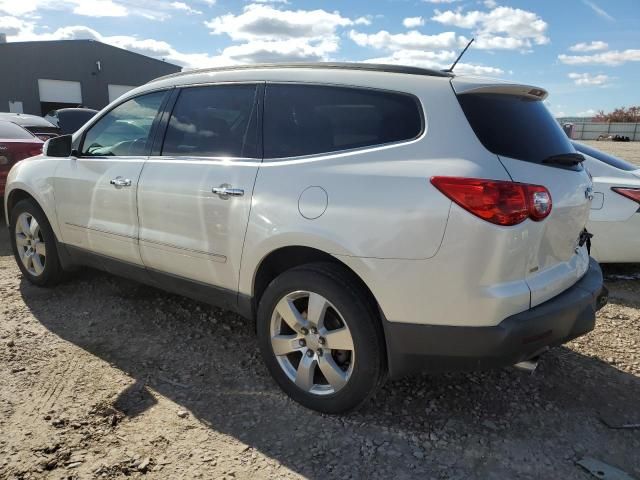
(69,120)
(40,127)
(16,144)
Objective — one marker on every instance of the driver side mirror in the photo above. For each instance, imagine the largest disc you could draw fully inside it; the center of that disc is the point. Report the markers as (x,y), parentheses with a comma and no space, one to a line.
(58,146)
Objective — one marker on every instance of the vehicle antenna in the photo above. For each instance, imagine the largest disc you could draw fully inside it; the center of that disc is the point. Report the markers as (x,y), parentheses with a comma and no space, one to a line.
(450,69)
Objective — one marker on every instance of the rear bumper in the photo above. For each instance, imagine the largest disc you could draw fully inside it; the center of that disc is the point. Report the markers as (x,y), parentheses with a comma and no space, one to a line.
(413,348)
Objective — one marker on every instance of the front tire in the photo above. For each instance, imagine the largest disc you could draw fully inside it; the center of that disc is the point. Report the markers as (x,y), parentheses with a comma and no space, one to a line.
(321,338)
(34,244)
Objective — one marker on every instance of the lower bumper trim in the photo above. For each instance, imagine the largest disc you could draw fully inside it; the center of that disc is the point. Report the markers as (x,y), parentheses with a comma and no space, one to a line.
(413,348)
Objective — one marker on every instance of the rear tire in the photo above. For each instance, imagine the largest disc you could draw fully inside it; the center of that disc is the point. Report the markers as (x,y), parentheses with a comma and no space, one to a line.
(34,244)
(321,338)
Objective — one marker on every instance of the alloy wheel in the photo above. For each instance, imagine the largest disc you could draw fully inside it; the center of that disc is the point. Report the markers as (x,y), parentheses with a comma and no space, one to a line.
(30,242)
(312,343)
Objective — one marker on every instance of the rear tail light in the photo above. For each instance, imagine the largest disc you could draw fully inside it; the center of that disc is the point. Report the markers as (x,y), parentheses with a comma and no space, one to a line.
(496,201)
(631,193)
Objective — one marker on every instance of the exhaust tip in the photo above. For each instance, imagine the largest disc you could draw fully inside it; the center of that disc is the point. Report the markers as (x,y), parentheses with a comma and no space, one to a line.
(528,366)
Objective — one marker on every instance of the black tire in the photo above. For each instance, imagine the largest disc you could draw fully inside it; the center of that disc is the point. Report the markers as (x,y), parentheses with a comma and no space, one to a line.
(52,273)
(342,290)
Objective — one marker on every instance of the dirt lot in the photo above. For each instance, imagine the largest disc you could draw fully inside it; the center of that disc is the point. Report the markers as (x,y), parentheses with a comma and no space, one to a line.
(105,378)
(630,151)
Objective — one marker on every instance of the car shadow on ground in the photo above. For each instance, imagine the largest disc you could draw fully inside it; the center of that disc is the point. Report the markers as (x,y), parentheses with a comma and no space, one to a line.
(208,362)
(496,424)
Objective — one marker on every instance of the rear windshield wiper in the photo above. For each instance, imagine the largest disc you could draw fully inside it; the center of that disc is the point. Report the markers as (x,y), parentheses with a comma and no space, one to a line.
(564,159)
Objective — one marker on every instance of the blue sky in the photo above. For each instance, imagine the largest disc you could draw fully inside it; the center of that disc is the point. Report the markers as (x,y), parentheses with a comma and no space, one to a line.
(586,53)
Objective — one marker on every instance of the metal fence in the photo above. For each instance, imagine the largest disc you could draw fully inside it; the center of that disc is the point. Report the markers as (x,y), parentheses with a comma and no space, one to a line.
(593,130)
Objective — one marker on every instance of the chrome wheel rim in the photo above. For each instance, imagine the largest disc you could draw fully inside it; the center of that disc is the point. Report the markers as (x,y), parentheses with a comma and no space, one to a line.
(30,243)
(312,343)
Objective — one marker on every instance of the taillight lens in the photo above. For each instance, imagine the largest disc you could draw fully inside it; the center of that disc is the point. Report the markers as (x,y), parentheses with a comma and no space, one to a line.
(497,201)
(631,193)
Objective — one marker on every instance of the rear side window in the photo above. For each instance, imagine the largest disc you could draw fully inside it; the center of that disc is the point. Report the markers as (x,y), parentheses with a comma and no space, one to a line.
(515,127)
(311,119)
(214,121)
(605,157)
(10,130)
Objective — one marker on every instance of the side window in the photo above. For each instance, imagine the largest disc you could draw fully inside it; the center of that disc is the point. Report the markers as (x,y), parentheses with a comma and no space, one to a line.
(124,131)
(214,121)
(311,119)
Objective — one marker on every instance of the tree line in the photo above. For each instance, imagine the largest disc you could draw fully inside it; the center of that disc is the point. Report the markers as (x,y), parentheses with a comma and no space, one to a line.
(630,114)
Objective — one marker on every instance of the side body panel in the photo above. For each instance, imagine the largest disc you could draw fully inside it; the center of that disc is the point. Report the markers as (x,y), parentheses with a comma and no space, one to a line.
(95,215)
(186,229)
(385,220)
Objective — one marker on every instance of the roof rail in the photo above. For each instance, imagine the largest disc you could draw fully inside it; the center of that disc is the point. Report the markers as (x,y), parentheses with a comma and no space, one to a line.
(372,67)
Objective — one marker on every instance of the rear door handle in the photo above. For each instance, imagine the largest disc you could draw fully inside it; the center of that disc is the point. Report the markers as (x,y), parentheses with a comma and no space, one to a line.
(225,191)
(119,182)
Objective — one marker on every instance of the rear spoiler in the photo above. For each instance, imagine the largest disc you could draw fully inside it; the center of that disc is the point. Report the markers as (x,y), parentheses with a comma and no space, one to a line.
(526,91)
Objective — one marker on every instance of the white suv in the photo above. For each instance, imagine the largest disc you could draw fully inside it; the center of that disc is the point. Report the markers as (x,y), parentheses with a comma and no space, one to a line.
(374,220)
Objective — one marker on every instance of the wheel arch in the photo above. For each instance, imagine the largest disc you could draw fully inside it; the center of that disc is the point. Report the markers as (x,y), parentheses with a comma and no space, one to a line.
(16,195)
(285,258)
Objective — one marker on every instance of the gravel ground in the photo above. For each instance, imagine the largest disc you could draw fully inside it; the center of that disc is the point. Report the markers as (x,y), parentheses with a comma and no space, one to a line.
(104,378)
(630,151)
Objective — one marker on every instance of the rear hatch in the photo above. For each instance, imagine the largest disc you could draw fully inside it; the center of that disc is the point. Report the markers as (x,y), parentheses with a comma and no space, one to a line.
(512,122)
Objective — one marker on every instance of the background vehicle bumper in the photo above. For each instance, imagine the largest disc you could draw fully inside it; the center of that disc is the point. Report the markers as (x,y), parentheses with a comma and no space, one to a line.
(413,348)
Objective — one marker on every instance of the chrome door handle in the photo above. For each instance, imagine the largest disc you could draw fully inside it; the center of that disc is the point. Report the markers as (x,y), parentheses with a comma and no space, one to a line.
(120,182)
(225,191)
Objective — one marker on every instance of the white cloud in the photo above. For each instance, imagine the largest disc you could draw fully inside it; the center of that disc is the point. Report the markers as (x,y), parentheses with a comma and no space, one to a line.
(589,47)
(267,23)
(412,40)
(490,3)
(413,22)
(435,60)
(272,34)
(99,8)
(362,21)
(88,8)
(611,57)
(500,28)
(598,10)
(18,7)
(587,113)
(11,26)
(440,1)
(25,31)
(186,8)
(587,79)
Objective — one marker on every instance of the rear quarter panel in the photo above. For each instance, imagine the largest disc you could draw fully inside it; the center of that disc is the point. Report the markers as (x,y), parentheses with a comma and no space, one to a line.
(381,204)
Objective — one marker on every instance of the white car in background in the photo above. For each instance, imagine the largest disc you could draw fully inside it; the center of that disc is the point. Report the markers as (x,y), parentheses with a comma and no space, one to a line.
(615,211)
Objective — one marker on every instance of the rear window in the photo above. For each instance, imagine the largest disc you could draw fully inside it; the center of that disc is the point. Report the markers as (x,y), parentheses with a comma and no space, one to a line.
(313,119)
(515,127)
(10,130)
(605,157)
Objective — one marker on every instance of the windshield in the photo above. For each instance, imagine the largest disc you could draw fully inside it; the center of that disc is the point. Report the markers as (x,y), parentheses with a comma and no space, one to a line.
(515,127)
(605,157)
